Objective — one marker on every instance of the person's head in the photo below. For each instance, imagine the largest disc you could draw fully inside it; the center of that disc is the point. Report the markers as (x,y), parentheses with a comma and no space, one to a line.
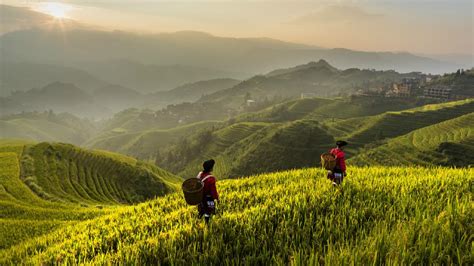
(208,165)
(340,144)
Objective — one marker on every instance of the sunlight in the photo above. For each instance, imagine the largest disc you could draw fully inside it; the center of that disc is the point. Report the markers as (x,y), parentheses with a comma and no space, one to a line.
(57,10)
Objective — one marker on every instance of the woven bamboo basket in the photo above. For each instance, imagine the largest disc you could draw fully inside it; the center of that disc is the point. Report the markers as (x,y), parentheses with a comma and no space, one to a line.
(328,161)
(193,189)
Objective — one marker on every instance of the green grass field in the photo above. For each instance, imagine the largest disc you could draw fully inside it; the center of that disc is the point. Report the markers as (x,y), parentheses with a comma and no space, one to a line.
(383,215)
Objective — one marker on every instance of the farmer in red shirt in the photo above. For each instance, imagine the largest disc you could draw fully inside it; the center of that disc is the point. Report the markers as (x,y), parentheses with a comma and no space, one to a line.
(207,207)
(339,171)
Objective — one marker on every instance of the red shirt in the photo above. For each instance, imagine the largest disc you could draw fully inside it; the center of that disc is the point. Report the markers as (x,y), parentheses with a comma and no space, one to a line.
(340,158)
(209,185)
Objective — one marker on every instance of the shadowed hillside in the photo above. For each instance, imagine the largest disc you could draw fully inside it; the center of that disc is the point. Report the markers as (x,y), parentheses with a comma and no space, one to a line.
(250,147)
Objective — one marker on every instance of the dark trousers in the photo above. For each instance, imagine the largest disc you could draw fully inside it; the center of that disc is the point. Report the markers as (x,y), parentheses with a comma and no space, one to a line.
(207,207)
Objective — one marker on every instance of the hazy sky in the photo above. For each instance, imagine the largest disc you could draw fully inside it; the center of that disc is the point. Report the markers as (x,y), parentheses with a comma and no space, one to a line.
(420,26)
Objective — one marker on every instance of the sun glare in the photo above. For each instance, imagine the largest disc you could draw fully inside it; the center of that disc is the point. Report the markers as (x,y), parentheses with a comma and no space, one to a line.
(57,10)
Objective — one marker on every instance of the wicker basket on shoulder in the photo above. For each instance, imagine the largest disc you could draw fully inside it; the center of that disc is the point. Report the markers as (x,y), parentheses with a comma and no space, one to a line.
(193,189)
(328,161)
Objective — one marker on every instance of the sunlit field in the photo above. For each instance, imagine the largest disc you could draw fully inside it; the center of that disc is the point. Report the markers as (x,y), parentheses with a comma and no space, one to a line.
(379,215)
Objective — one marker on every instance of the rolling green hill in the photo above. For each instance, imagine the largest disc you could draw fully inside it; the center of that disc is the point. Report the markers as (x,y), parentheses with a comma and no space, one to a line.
(365,130)
(143,144)
(62,172)
(322,109)
(57,96)
(382,216)
(46,126)
(318,78)
(190,92)
(23,213)
(22,76)
(133,132)
(249,147)
(46,186)
(447,143)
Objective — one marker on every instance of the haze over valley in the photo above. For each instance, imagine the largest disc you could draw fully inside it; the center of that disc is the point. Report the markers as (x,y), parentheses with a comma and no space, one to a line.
(109,108)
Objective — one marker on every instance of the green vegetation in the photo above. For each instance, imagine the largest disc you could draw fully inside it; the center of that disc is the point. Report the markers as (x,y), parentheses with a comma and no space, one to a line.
(361,131)
(382,216)
(447,143)
(23,214)
(46,126)
(46,186)
(293,134)
(144,144)
(461,82)
(318,78)
(322,109)
(63,172)
(249,147)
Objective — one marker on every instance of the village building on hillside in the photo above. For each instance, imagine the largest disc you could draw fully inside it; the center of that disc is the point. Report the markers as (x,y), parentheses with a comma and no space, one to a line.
(406,88)
(399,90)
(438,92)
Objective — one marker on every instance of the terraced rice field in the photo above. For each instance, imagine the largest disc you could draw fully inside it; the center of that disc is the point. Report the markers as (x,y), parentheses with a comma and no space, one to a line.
(46,186)
(422,146)
(363,130)
(144,144)
(65,173)
(382,215)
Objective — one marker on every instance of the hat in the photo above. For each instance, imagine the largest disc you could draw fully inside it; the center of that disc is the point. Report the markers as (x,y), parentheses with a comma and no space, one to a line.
(208,165)
(341,143)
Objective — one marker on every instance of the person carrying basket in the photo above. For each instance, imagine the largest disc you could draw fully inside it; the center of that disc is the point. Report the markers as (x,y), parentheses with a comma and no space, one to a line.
(207,207)
(335,163)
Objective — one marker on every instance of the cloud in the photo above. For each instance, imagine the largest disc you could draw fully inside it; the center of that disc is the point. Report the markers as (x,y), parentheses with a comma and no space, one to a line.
(336,14)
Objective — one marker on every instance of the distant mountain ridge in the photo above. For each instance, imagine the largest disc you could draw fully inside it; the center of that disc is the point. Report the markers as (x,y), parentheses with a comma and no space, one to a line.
(57,96)
(197,50)
(319,79)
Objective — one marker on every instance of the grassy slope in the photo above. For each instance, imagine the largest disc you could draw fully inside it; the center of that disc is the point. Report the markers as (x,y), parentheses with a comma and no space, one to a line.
(254,147)
(324,109)
(66,173)
(220,148)
(447,143)
(39,130)
(45,186)
(263,150)
(22,213)
(385,215)
(128,134)
(363,130)
(144,144)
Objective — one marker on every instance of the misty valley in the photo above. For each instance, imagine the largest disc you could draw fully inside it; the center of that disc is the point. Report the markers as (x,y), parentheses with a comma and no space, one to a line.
(101,130)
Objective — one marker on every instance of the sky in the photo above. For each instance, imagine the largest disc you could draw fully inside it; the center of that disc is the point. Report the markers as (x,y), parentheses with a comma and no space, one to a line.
(417,26)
